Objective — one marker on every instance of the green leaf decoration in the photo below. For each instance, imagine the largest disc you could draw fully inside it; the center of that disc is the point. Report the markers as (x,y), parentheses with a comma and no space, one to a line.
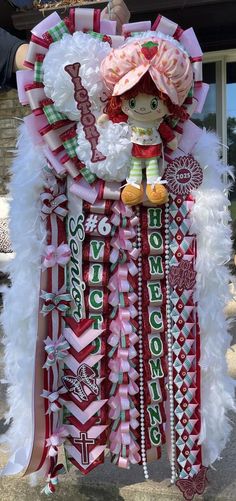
(150,44)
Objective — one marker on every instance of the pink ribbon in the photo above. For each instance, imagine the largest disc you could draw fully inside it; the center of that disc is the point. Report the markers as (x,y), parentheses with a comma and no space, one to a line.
(114,301)
(121,364)
(120,326)
(56,255)
(55,440)
(120,402)
(123,437)
(122,240)
(133,253)
(120,210)
(119,435)
(118,282)
(53,204)
(132,268)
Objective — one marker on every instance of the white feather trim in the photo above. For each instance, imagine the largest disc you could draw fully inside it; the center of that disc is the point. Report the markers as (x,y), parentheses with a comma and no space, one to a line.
(20,313)
(114,143)
(89,52)
(210,222)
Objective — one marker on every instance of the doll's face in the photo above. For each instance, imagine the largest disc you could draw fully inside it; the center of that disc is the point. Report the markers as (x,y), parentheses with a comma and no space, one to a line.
(144,107)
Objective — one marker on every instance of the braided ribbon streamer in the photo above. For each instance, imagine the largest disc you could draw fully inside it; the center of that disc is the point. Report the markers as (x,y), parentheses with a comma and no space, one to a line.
(52,479)
(122,338)
(56,350)
(52,301)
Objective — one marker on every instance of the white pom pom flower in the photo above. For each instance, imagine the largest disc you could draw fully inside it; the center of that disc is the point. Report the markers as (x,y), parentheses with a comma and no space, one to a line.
(80,48)
(114,142)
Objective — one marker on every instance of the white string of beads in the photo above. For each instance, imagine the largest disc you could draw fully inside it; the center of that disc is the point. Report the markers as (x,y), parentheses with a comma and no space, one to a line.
(169,345)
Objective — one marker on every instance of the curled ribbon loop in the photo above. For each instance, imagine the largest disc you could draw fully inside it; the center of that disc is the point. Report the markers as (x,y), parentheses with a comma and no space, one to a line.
(122,240)
(120,211)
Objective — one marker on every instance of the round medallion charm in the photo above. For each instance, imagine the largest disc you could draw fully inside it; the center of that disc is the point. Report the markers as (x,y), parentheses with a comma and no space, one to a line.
(183,175)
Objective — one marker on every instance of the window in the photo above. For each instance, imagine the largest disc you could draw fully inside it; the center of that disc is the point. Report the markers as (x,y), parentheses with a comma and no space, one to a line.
(208,116)
(231,113)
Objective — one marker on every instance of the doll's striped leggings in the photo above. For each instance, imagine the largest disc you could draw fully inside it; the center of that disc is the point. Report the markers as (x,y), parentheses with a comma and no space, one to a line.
(152,170)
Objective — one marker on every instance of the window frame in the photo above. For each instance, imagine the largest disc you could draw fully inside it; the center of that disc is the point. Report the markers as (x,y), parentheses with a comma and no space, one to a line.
(221,58)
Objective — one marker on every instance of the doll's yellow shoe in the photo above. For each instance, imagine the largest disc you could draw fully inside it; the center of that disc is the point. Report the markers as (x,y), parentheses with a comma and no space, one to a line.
(157,194)
(132,195)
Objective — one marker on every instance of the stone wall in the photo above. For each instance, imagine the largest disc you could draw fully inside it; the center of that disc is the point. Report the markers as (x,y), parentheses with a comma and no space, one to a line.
(10,111)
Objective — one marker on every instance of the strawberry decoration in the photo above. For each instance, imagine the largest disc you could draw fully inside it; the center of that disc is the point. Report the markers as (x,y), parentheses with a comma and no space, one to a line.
(149,50)
(108,39)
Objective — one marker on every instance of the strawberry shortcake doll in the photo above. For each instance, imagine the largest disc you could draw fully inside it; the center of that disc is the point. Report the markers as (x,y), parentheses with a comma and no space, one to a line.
(149,79)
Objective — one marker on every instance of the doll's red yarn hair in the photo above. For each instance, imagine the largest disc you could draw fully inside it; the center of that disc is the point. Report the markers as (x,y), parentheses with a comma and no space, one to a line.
(145,86)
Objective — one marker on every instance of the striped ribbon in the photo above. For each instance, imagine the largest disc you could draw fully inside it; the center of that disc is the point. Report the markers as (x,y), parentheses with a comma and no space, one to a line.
(56,350)
(60,302)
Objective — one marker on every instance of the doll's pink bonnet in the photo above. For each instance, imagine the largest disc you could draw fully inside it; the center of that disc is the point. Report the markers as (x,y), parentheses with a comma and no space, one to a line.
(168,65)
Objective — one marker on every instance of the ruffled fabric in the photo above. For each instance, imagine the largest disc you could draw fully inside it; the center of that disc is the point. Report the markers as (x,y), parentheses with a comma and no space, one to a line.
(114,143)
(157,34)
(89,52)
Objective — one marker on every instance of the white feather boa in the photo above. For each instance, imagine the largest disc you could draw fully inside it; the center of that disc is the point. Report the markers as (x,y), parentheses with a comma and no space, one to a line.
(210,222)
(20,314)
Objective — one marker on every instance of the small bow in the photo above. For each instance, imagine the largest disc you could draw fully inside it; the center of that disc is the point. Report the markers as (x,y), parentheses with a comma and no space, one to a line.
(56,255)
(55,440)
(56,350)
(60,302)
(53,399)
(53,204)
